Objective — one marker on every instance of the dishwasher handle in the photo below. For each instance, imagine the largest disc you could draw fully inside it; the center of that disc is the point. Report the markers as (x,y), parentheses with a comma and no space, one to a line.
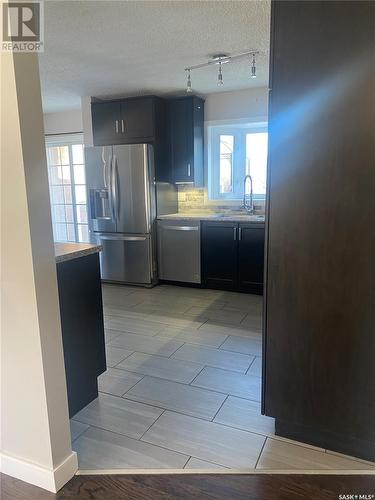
(181,228)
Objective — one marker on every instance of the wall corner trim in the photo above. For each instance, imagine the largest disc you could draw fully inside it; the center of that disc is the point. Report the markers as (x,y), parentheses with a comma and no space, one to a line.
(48,479)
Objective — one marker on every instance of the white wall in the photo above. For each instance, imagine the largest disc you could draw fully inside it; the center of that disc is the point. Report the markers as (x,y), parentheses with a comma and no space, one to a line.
(237,105)
(35,434)
(65,122)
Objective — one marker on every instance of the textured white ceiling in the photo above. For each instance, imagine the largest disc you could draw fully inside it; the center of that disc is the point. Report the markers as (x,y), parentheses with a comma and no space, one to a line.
(123,48)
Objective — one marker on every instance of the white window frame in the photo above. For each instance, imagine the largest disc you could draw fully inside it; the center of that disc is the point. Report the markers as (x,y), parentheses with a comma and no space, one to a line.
(66,140)
(239,129)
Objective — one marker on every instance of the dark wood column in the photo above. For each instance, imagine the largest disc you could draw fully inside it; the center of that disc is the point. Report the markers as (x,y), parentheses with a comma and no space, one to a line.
(319,364)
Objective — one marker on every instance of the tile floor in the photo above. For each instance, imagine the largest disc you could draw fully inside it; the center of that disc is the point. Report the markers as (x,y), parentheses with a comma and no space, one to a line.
(182,389)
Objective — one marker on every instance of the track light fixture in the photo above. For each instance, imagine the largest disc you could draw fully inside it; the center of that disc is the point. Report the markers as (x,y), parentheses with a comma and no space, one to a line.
(220,75)
(188,83)
(253,67)
(221,59)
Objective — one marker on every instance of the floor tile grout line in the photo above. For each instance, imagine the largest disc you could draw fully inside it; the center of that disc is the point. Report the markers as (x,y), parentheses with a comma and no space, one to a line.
(179,412)
(175,339)
(136,439)
(197,375)
(259,433)
(226,426)
(223,351)
(226,338)
(120,398)
(173,353)
(193,387)
(140,380)
(115,366)
(81,434)
(177,359)
(162,413)
(248,368)
(186,384)
(261,451)
(222,404)
(251,364)
(208,421)
(163,324)
(187,461)
(156,356)
(208,461)
(233,326)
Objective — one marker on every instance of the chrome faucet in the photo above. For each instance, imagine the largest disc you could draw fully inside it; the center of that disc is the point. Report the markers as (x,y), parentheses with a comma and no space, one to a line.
(248,204)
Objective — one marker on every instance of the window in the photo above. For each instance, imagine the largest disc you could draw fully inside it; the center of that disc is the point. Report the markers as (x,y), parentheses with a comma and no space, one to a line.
(236,150)
(67,184)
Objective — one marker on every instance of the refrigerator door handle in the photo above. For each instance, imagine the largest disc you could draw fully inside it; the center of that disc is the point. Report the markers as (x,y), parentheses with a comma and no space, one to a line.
(122,238)
(114,187)
(111,191)
(105,168)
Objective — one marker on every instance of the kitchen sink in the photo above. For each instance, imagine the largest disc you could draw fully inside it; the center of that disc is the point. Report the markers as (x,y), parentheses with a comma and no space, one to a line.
(247,217)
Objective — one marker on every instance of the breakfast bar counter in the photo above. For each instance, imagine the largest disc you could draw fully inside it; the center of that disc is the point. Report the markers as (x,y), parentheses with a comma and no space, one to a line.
(81,312)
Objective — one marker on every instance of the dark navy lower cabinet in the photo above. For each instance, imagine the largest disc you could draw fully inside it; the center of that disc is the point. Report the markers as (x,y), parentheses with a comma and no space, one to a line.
(219,255)
(250,258)
(81,312)
(233,256)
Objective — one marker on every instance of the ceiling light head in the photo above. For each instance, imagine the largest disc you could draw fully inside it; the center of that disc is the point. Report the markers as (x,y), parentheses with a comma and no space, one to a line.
(253,67)
(220,75)
(188,83)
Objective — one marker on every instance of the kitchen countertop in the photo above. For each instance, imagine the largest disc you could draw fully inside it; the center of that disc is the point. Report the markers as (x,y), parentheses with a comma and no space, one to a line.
(260,219)
(69,251)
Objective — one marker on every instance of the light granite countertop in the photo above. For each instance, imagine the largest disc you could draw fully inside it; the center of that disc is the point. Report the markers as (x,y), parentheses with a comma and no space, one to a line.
(69,251)
(225,217)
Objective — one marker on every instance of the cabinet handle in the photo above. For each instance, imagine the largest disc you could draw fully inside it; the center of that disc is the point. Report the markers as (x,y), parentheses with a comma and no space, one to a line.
(240,233)
(234,233)
(188,169)
(122,126)
(116,126)
(181,228)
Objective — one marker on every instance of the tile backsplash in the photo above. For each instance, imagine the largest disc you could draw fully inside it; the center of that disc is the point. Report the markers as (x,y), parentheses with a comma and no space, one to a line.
(191,199)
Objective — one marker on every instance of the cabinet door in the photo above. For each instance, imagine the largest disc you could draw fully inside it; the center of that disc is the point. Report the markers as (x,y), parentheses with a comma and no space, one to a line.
(181,130)
(106,123)
(198,141)
(137,119)
(250,258)
(219,255)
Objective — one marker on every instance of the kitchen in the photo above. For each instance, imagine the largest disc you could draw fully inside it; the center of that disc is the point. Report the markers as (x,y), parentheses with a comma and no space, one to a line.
(200,204)
(175,200)
(181,257)
(180,335)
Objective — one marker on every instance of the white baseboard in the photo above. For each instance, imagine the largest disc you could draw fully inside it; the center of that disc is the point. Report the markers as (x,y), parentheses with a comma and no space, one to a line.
(48,479)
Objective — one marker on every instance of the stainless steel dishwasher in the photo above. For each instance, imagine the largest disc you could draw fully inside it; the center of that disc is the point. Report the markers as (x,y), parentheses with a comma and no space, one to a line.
(179,252)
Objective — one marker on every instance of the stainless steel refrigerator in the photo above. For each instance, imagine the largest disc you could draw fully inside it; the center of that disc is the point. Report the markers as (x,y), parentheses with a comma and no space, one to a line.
(122,210)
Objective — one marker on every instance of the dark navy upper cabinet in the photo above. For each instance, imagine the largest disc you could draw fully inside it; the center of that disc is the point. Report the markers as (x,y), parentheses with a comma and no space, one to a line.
(106,118)
(186,131)
(127,121)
